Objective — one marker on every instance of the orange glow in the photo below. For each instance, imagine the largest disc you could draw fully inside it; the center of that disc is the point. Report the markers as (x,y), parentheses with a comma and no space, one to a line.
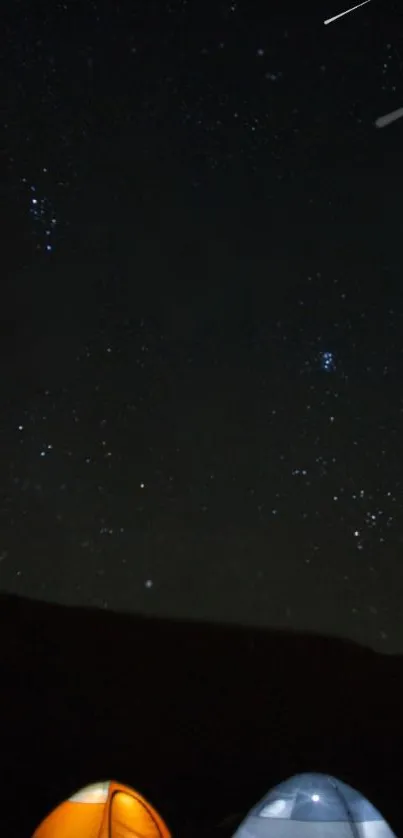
(104,810)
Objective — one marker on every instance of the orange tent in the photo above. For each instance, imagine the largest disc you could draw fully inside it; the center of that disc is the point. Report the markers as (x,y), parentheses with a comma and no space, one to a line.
(104,810)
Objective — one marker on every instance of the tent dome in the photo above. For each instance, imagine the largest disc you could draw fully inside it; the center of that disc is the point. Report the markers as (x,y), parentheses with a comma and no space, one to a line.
(104,810)
(313,805)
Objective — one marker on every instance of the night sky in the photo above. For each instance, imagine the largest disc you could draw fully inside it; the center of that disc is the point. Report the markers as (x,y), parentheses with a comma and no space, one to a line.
(202,312)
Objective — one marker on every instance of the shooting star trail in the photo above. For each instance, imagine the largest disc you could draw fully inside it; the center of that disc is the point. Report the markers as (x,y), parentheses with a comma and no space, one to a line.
(388,118)
(341,14)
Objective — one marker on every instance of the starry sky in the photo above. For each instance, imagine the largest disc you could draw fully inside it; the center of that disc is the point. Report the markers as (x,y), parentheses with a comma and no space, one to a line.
(202,312)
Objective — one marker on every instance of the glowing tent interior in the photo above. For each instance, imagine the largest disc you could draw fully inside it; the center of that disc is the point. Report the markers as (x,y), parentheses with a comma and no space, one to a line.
(313,805)
(104,810)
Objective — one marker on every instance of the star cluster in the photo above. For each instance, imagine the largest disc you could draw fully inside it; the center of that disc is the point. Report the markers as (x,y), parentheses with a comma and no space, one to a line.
(43,217)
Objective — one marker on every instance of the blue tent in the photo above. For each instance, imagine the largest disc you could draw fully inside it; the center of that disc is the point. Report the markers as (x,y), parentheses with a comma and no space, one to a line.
(314,806)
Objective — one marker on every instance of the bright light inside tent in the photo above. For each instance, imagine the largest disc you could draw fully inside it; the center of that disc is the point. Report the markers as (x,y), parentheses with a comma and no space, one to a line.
(96,793)
(315,798)
(277,809)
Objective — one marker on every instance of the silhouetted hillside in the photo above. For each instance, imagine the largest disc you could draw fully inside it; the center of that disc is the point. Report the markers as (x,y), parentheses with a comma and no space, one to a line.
(201,719)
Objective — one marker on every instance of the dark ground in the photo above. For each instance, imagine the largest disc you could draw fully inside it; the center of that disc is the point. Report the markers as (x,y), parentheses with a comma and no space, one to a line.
(202,720)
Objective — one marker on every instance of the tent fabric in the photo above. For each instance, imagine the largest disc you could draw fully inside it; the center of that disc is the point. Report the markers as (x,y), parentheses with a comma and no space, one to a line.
(104,810)
(313,805)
